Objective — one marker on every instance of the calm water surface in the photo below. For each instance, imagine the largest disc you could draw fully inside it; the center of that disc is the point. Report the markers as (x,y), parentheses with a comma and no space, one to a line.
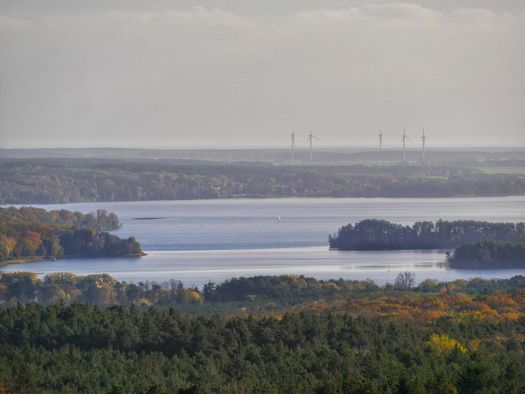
(198,241)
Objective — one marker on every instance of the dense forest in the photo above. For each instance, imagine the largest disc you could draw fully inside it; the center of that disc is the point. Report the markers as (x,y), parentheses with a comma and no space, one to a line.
(346,336)
(372,234)
(489,254)
(67,180)
(31,232)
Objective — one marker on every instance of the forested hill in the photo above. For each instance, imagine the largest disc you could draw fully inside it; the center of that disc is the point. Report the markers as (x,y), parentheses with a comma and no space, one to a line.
(373,234)
(33,181)
(31,232)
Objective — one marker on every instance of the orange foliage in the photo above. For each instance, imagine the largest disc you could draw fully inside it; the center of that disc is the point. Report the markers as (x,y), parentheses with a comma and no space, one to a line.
(426,308)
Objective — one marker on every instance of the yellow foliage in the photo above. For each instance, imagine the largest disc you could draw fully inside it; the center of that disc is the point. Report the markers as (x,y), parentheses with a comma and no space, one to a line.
(10,245)
(444,344)
(189,295)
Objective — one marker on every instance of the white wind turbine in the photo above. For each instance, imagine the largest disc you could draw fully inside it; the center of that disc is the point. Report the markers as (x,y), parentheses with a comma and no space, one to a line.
(311,136)
(423,139)
(380,135)
(404,138)
(292,136)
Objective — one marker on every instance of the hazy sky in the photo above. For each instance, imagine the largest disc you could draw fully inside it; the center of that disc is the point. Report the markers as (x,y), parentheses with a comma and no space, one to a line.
(245,73)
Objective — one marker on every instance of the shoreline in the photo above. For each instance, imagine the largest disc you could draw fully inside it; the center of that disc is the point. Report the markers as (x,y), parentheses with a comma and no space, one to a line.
(269,198)
(33,259)
(36,259)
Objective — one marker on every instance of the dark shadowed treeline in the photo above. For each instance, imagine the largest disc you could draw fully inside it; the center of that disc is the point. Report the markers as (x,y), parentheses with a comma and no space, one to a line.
(292,288)
(68,180)
(489,254)
(372,234)
(31,232)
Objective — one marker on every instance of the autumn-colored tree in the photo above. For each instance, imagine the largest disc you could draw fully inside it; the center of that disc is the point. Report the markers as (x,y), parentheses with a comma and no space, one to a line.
(441,343)
(28,244)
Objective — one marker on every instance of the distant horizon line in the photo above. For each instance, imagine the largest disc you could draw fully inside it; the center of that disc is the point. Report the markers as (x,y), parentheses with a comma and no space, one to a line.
(273,147)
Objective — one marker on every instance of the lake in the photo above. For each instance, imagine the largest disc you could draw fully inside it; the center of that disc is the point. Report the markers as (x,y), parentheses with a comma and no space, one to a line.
(198,241)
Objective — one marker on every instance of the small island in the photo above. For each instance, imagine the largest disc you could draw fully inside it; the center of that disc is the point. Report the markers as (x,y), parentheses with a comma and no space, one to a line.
(29,234)
(373,234)
(489,255)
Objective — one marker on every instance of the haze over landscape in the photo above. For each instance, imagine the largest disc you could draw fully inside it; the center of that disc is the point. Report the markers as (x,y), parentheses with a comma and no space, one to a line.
(164,74)
(262,197)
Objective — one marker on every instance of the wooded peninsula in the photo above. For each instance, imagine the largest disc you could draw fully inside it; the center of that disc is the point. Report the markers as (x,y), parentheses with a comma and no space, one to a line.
(28,233)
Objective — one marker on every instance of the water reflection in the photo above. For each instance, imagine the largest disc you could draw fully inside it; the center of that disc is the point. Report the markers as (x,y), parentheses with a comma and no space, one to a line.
(196,268)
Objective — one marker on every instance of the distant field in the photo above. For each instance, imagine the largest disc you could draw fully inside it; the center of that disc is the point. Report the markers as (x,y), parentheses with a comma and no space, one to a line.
(503,170)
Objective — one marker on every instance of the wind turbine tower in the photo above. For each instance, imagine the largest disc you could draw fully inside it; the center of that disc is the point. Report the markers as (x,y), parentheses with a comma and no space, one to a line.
(292,136)
(311,136)
(423,138)
(404,138)
(380,135)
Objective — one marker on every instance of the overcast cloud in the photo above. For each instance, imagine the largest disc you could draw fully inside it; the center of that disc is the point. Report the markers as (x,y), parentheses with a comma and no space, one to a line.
(140,74)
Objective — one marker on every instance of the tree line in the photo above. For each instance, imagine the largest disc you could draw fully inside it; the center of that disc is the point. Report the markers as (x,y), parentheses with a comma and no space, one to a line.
(255,292)
(30,232)
(102,289)
(99,289)
(373,234)
(66,180)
